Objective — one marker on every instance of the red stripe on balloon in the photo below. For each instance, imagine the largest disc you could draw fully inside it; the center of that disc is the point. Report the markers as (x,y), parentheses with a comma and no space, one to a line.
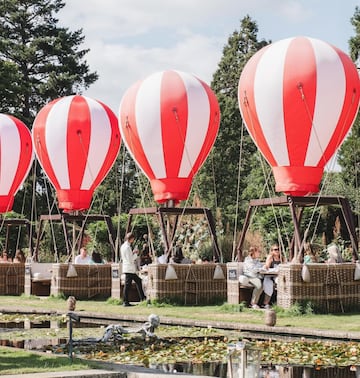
(349,109)
(299,78)
(213,127)
(129,128)
(77,140)
(39,142)
(25,157)
(113,149)
(174,121)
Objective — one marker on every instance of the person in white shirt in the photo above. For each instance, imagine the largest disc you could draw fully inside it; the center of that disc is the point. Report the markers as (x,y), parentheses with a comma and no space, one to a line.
(129,268)
(252,267)
(82,257)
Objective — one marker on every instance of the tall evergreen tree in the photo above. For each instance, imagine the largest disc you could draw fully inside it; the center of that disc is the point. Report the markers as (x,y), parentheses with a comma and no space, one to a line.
(220,170)
(39,60)
(349,154)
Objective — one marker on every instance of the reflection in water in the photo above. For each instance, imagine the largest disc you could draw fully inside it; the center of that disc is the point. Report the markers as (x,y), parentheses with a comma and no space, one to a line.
(216,369)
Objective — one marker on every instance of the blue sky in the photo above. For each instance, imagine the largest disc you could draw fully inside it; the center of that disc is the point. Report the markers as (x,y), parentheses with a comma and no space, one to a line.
(131,39)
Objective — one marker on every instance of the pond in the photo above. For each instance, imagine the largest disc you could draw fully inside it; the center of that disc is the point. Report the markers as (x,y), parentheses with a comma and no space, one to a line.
(191,350)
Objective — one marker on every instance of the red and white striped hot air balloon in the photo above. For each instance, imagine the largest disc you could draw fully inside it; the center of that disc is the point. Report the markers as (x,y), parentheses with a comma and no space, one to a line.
(76,140)
(298,98)
(16,157)
(169,123)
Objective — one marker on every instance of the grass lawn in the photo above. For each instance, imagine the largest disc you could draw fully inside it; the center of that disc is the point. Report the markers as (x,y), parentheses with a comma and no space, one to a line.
(13,361)
(222,313)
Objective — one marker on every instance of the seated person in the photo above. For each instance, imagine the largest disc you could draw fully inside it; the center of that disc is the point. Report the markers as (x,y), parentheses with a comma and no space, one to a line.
(5,257)
(334,255)
(178,257)
(145,258)
(19,257)
(273,260)
(96,258)
(162,259)
(309,254)
(83,257)
(251,269)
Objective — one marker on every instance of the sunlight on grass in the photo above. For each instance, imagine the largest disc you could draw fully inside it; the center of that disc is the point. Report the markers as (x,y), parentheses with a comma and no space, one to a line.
(222,313)
(22,362)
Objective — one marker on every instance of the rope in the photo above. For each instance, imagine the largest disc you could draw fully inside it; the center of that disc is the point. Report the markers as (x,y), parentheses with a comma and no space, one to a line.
(253,132)
(118,238)
(238,192)
(314,129)
(33,204)
(19,228)
(50,211)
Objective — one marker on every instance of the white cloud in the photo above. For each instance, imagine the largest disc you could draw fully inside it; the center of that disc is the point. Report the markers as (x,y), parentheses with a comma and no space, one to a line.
(130,39)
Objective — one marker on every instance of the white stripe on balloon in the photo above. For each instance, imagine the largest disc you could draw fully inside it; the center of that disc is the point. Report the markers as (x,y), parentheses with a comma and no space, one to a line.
(10,152)
(55,140)
(268,89)
(100,131)
(148,101)
(330,80)
(197,125)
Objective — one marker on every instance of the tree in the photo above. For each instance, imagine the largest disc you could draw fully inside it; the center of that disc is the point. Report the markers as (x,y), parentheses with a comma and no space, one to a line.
(349,153)
(220,170)
(39,61)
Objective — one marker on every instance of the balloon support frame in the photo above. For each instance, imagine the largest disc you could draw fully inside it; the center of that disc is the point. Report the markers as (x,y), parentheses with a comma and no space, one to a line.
(162,213)
(14,222)
(66,218)
(296,206)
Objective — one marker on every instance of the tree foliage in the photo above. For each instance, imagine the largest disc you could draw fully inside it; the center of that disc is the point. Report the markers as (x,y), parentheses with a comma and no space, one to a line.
(349,153)
(219,177)
(39,61)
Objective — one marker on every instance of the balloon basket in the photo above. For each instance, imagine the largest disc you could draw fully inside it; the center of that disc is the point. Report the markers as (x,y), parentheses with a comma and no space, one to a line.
(71,219)
(163,214)
(296,205)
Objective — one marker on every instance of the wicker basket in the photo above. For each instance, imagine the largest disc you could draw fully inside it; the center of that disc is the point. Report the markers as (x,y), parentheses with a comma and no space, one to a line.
(12,278)
(91,281)
(303,371)
(331,287)
(195,283)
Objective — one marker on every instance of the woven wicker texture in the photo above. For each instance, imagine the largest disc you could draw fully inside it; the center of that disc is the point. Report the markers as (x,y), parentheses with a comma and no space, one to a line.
(301,372)
(332,288)
(237,293)
(12,278)
(91,281)
(195,283)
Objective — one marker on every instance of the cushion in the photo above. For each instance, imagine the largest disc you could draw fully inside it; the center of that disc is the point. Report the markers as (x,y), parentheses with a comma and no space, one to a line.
(357,272)
(71,271)
(305,273)
(170,273)
(218,273)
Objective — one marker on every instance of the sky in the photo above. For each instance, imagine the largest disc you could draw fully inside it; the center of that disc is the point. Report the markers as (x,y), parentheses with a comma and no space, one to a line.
(131,39)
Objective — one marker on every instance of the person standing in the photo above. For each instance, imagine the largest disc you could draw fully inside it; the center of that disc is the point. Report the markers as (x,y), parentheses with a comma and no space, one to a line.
(128,258)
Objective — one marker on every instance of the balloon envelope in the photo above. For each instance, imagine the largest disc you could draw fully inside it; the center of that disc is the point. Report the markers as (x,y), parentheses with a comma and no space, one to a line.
(16,157)
(76,140)
(298,98)
(169,123)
